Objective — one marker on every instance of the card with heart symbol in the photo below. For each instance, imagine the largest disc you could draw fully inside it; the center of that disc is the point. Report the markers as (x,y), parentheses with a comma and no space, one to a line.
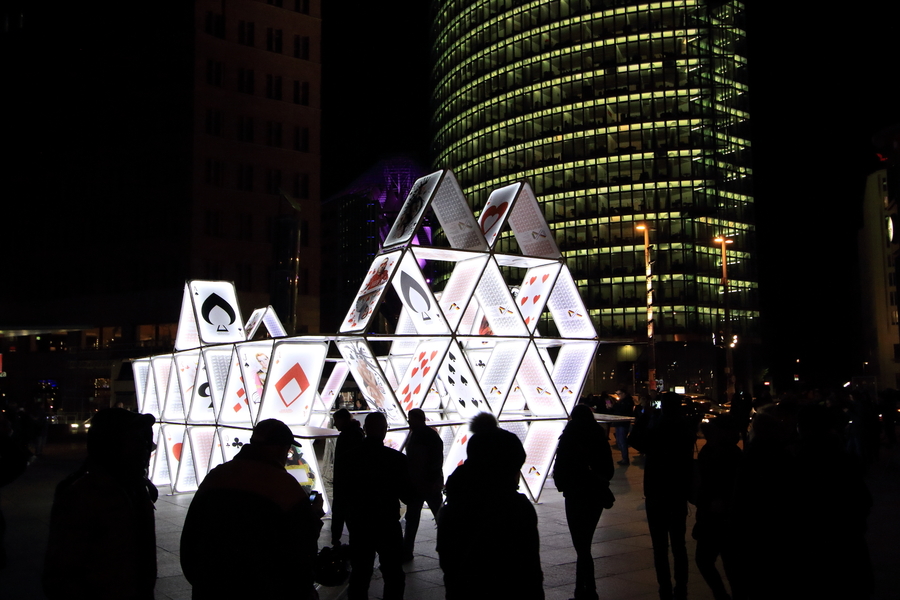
(535,291)
(370,292)
(493,216)
(293,378)
(420,372)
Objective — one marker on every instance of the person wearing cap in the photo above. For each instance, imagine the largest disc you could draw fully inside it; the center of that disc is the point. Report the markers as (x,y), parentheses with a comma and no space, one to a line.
(102,542)
(377,481)
(251,530)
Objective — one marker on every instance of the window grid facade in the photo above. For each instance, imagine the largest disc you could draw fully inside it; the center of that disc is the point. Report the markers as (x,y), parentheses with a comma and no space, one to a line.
(617,114)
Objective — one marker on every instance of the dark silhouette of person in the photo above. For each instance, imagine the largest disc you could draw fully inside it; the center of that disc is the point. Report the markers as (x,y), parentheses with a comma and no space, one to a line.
(483,509)
(718,463)
(667,440)
(351,437)
(377,481)
(624,407)
(102,542)
(252,511)
(584,466)
(425,455)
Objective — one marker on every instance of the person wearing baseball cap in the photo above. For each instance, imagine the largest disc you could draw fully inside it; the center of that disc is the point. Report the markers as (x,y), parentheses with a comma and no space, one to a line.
(252,510)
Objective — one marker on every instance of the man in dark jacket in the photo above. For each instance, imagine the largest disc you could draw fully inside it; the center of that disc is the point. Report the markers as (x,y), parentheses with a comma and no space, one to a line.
(350,438)
(425,454)
(378,480)
(251,530)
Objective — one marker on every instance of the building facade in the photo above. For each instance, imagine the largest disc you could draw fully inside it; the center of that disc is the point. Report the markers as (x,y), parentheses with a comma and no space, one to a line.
(619,114)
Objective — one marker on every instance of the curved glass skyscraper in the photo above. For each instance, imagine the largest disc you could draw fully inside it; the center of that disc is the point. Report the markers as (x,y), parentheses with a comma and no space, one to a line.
(619,113)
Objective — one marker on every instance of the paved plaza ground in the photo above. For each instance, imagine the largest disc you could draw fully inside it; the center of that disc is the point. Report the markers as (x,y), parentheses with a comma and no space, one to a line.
(621,549)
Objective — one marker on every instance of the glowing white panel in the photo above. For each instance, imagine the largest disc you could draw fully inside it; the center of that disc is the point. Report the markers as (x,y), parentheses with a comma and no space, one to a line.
(235,405)
(462,385)
(493,216)
(569,314)
(515,402)
(200,403)
(534,292)
(530,228)
(173,407)
(457,294)
(420,373)
(294,373)
(433,399)
(404,346)
(161,369)
(537,387)
(141,370)
(497,303)
(203,440)
(456,219)
(420,303)
(214,315)
(218,361)
(172,438)
(457,453)
(254,364)
(478,360)
(410,215)
(572,365)
(334,384)
(497,380)
(269,318)
(186,476)
(370,292)
(159,466)
(540,447)
(370,378)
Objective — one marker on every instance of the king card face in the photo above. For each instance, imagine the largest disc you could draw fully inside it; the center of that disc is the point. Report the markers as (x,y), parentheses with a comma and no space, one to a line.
(413,209)
(370,292)
(217,313)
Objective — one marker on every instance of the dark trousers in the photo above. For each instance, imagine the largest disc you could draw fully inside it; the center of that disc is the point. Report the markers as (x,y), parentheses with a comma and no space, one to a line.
(414,515)
(366,540)
(708,550)
(666,520)
(582,515)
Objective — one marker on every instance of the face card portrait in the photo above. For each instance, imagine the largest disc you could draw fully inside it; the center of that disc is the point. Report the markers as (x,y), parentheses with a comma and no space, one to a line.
(413,209)
(370,292)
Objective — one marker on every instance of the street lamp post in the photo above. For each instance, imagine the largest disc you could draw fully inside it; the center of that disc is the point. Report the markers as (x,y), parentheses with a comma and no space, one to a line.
(729,342)
(648,271)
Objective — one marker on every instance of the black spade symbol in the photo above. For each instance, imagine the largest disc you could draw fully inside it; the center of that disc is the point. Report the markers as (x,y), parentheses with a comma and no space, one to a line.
(463,379)
(212,302)
(450,379)
(453,358)
(452,370)
(474,401)
(415,296)
(461,401)
(204,390)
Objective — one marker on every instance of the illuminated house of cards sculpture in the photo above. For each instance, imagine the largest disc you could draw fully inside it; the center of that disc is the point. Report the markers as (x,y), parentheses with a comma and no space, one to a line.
(482,344)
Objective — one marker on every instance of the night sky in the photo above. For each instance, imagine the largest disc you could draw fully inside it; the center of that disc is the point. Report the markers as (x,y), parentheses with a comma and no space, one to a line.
(823,82)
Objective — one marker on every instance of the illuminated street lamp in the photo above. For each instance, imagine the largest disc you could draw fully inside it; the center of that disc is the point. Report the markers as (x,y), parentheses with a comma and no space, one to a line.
(648,271)
(729,340)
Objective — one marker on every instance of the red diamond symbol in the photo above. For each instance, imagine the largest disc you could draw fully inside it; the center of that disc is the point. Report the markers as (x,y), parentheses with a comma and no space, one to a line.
(292,384)
(237,407)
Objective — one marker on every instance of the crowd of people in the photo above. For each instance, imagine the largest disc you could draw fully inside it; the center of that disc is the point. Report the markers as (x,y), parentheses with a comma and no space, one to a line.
(798,479)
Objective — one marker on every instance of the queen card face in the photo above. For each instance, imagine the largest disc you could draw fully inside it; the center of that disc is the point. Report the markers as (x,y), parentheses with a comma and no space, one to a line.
(420,304)
(371,379)
(293,380)
(370,292)
(411,213)
(216,311)
(494,214)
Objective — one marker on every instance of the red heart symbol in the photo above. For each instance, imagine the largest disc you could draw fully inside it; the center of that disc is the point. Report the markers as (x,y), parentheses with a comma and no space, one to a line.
(544,278)
(421,355)
(425,371)
(433,354)
(527,320)
(176,451)
(414,371)
(524,300)
(532,280)
(418,387)
(423,363)
(406,389)
(407,400)
(536,298)
(490,216)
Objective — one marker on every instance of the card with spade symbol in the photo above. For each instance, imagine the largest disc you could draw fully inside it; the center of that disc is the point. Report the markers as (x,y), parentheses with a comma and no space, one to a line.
(534,292)
(419,302)
(200,407)
(460,383)
(421,372)
(216,312)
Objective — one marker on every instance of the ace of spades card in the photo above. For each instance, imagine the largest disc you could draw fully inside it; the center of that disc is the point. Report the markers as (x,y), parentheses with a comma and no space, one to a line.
(534,291)
(370,292)
(216,312)
(418,300)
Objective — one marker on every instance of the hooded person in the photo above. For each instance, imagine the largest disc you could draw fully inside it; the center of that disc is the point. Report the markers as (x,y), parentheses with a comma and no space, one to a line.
(102,542)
